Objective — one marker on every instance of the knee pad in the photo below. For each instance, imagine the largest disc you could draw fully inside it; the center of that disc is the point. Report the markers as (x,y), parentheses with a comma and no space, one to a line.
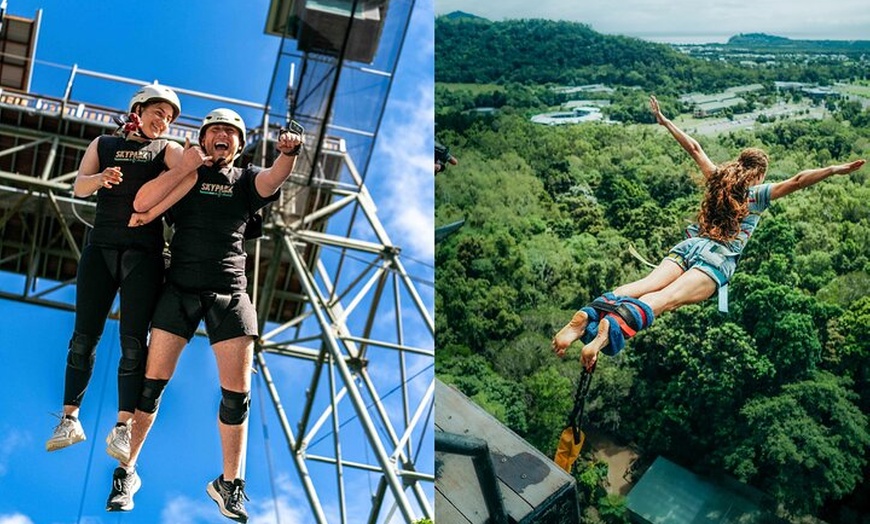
(234,407)
(133,352)
(82,351)
(152,390)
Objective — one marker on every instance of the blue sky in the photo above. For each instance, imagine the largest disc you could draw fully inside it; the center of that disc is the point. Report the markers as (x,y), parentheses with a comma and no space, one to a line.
(216,47)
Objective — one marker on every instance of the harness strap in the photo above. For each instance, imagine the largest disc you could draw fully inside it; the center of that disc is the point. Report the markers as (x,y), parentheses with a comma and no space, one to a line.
(723,298)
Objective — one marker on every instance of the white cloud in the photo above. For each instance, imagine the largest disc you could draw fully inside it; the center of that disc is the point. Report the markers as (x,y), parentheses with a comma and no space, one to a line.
(12,441)
(409,201)
(288,511)
(184,510)
(292,506)
(16,518)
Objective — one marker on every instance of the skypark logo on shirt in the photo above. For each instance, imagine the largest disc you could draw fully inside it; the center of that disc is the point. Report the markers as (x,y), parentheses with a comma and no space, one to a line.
(220,190)
(133,156)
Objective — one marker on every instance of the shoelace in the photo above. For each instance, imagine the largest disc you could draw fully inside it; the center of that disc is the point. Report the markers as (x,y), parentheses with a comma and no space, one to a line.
(124,434)
(236,494)
(64,424)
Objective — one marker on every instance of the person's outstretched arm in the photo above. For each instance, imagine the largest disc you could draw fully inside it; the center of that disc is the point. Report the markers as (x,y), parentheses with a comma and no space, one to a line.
(269,180)
(689,144)
(810,177)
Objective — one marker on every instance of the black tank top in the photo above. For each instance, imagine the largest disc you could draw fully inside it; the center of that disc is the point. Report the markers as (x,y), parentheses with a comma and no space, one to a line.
(140,162)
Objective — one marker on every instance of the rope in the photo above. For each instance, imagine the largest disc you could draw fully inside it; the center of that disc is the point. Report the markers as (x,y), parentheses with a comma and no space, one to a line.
(390,269)
(425,427)
(267,448)
(415,375)
(94,432)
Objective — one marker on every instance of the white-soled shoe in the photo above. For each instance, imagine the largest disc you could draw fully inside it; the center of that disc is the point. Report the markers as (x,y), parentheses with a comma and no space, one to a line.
(118,442)
(124,486)
(67,432)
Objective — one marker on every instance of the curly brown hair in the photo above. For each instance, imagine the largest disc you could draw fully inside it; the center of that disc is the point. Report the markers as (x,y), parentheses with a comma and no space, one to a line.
(725,202)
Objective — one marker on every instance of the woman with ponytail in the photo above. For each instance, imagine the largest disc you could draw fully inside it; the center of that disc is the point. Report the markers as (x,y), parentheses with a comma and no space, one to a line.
(735,196)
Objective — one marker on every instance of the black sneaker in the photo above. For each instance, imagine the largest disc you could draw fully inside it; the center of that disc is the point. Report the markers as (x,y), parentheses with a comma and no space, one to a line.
(229,497)
(124,486)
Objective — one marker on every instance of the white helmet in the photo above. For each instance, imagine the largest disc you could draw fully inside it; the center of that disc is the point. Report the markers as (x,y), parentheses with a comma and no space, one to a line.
(227,117)
(156,93)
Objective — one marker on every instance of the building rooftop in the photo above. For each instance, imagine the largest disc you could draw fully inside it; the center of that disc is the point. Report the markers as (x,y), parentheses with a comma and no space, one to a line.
(668,493)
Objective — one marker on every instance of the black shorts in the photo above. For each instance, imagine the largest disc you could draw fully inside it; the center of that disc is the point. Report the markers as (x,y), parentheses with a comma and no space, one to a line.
(226,316)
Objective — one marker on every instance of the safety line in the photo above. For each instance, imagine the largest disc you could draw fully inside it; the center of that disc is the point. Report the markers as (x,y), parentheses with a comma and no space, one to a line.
(267,448)
(95,428)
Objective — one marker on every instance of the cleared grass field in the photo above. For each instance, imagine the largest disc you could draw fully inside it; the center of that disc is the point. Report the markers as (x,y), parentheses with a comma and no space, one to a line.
(859,89)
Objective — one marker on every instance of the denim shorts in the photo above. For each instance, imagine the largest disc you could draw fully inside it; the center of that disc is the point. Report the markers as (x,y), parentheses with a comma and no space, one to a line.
(711,257)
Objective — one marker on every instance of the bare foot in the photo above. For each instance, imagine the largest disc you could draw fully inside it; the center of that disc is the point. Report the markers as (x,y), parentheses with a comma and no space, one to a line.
(571,332)
(589,354)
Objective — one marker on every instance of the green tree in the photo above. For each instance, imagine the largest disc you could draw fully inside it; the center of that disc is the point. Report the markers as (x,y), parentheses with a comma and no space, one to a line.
(500,397)
(803,446)
(694,350)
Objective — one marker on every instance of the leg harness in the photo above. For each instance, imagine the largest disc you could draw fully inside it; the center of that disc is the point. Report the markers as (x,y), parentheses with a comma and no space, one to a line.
(627,316)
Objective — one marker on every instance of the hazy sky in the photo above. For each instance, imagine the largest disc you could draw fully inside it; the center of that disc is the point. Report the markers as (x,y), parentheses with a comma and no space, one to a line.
(813,19)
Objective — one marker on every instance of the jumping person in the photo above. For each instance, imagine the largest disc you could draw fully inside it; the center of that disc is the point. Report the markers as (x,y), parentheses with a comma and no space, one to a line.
(119,258)
(734,198)
(206,280)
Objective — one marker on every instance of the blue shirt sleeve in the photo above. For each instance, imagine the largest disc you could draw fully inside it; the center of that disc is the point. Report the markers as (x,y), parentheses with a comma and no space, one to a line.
(759,197)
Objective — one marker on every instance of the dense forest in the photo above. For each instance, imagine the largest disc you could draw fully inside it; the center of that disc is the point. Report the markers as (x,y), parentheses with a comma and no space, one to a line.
(776,393)
(535,52)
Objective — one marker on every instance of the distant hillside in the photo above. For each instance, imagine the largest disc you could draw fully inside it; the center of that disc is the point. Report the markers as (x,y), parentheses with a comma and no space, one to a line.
(476,50)
(462,15)
(770,43)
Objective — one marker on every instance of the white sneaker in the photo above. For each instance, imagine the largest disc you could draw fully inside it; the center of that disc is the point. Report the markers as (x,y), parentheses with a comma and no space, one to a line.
(67,432)
(118,442)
